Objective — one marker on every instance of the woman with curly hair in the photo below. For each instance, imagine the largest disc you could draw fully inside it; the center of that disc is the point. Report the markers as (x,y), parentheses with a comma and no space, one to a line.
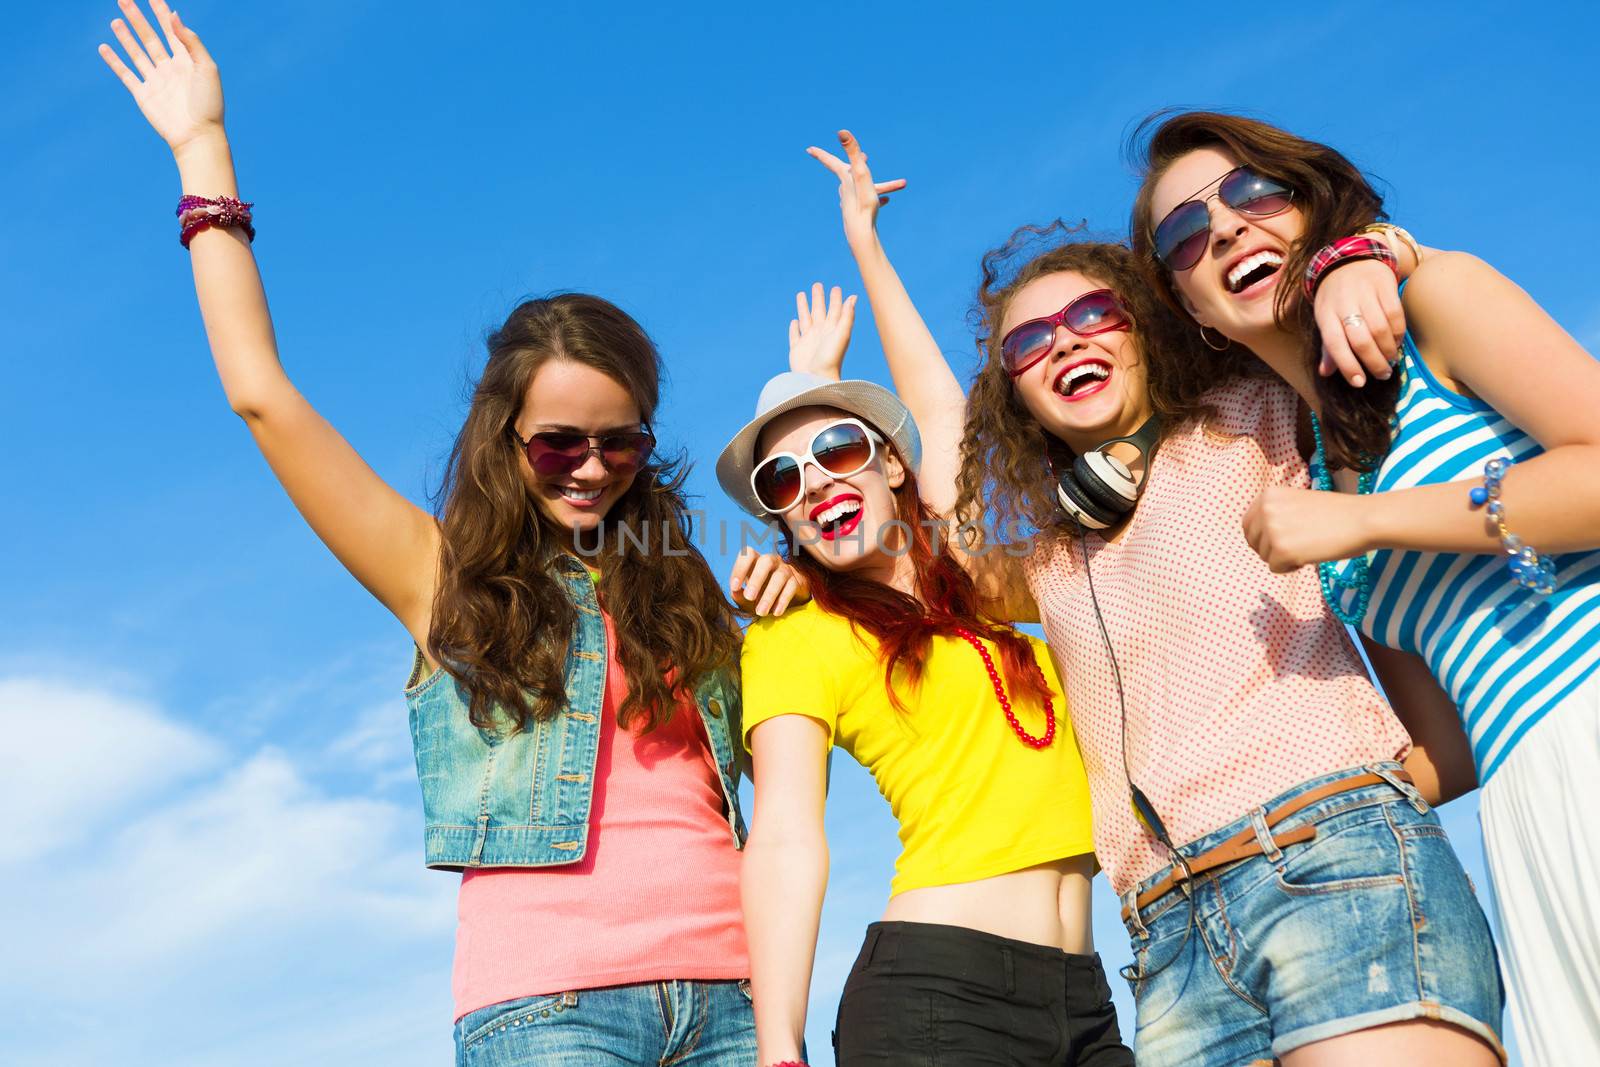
(1466,525)
(574,706)
(1286,885)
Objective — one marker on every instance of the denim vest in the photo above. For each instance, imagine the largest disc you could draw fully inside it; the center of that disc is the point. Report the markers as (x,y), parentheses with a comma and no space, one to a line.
(521,798)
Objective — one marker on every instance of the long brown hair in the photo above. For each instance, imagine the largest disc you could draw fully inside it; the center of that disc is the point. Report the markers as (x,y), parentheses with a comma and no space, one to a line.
(502,621)
(1334,198)
(1008,461)
(905,625)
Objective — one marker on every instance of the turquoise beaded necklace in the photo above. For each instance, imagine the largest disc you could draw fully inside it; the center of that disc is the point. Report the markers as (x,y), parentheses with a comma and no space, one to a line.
(1334,583)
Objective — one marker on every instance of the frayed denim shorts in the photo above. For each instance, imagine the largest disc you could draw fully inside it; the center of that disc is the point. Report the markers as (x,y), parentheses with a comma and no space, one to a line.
(1371,922)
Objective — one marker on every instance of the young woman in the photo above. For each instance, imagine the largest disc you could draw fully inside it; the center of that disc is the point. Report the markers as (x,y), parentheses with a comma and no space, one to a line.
(1288,889)
(983,955)
(574,728)
(1485,442)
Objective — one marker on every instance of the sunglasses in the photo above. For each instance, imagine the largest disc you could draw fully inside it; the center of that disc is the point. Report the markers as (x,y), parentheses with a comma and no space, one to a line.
(841,449)
(1094,312)
(1182,237)
(557,453)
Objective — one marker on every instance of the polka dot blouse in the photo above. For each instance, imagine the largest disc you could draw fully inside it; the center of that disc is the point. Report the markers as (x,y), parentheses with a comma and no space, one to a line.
(1240,684)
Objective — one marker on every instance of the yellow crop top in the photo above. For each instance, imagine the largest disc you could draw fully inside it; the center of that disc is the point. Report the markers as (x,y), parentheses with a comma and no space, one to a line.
(971,799)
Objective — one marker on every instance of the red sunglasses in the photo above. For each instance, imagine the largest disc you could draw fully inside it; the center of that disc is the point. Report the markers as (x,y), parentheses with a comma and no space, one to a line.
(557,453)
(1097,311)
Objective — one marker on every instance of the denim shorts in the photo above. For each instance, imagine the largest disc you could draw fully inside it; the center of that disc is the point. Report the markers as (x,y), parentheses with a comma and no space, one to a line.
(687,1024)
(1372,921)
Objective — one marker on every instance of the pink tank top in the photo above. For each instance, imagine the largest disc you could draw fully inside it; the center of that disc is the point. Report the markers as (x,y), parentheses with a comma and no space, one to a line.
(1240,684)
(655,897)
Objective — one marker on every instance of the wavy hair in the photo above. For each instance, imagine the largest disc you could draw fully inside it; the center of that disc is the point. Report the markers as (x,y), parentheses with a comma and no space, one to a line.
(1009,461)
(905,625)
(1334,198)
(502,620)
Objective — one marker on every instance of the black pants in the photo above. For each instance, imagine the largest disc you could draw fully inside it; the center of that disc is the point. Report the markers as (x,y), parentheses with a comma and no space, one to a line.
(924,994)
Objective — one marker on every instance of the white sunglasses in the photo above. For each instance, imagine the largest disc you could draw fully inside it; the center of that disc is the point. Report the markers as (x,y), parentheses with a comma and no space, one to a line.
(840,448)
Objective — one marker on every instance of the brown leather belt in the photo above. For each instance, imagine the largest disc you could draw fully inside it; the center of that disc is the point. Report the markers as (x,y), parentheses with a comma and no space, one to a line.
(1245,843)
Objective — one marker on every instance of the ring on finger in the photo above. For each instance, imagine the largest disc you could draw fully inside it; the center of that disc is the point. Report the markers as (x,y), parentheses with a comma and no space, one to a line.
(1354,319)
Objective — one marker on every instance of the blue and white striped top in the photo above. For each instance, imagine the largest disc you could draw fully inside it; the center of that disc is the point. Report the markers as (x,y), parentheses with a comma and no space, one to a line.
(1504,654)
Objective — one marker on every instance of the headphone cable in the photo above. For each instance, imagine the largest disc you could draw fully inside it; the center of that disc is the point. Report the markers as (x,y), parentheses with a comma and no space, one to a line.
(1141,803)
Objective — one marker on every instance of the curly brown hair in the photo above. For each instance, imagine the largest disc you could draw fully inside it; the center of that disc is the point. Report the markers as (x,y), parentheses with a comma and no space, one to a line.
(1334,198)
(502,621)
(1008,461)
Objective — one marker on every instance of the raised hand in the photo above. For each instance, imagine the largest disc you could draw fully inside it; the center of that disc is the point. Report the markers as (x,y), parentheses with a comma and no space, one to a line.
(820,332)
(859,196)
(176,86)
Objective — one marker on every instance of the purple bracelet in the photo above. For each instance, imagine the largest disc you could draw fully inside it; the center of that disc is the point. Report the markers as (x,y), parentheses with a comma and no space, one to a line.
(196,213)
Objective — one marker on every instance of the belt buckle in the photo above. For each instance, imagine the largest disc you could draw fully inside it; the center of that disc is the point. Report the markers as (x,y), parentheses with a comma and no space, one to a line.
(1185,878)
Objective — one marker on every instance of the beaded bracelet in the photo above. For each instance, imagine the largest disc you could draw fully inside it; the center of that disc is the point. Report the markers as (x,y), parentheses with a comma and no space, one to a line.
(1346,250)
(1530,569)
(196,213)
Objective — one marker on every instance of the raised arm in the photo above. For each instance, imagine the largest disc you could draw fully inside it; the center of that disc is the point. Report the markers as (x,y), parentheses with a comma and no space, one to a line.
(388,543)
(785,874)
(922,376)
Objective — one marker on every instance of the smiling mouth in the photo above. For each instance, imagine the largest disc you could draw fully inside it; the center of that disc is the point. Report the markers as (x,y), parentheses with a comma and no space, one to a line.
(1252,270)
(1082,379)
(580,497)
(837,517)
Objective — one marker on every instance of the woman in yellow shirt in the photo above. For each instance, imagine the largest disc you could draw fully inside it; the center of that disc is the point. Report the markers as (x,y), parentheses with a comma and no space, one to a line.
(983,955)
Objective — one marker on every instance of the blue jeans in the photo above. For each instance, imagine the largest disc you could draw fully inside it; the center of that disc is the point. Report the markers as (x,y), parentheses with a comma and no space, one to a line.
(1372,921)
(692,1024)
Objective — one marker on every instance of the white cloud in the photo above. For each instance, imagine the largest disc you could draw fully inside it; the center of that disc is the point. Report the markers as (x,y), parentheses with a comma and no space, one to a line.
(79,756)
(378,744)
(165,886)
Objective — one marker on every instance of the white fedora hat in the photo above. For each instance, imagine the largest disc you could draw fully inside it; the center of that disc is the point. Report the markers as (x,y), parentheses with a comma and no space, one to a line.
(869,401)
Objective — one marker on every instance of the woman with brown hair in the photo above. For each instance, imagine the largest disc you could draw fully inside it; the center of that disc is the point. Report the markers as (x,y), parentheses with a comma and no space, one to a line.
(1466,525)
(573,704)
(1286,885)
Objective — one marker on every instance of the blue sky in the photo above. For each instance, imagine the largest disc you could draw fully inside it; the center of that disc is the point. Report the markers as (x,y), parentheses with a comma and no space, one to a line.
(215,852)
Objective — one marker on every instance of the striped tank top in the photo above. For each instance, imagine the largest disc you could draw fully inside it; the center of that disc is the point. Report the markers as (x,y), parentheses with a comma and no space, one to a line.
(1505,655)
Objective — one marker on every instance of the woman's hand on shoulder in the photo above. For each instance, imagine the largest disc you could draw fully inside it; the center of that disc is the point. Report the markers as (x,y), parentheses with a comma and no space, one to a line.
(1362,324)
(859,196)
(765,583)
(819,333)
(173,80)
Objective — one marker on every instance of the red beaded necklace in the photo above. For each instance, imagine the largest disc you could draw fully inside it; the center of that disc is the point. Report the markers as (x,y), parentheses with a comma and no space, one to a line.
(1005,703)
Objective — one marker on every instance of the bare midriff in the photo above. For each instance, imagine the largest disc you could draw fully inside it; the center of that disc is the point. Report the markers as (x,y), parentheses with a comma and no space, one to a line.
(1043,905)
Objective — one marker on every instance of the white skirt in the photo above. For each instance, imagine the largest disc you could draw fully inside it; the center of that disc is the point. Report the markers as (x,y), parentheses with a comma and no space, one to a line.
(1541,830)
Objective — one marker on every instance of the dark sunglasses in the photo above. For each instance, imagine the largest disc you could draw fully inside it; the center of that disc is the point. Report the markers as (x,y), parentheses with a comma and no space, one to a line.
(556,453)
(1098,311)
(841,449)
(1182,237)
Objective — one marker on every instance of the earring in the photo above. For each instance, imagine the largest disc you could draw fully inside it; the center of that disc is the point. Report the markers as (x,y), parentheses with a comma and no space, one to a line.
(1223,347)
